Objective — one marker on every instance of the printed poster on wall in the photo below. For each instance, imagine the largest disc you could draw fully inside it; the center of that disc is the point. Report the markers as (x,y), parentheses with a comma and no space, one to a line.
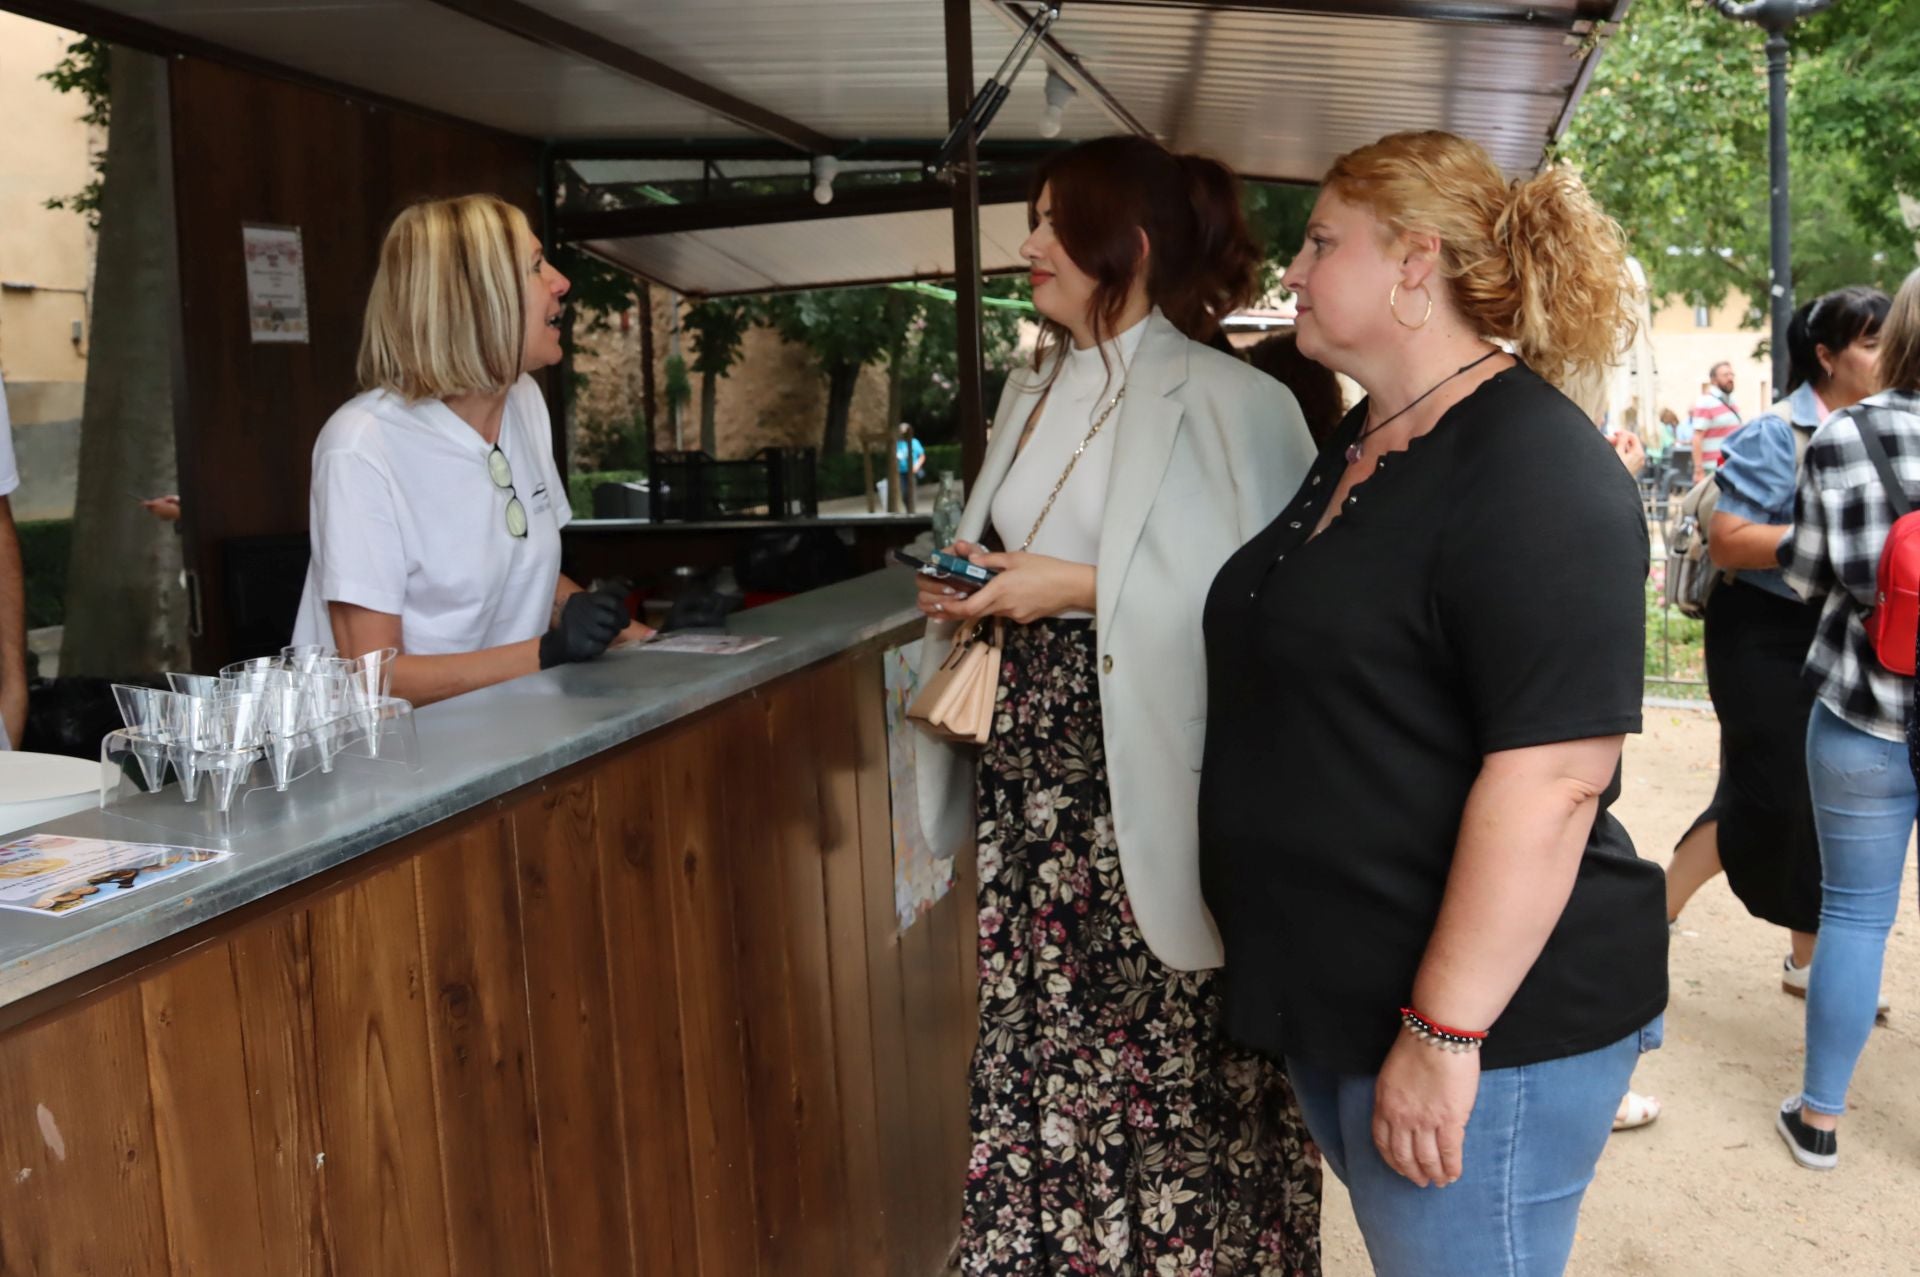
(920,878)
(276,282)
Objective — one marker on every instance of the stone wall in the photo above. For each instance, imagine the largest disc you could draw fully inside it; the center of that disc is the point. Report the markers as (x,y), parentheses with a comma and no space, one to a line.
(773,396)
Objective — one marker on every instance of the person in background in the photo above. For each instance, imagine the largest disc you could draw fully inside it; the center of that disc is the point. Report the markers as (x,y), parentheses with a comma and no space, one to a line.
(911,464)
(437,507)
(13,596)
(1714,417)
(166,509)
(1312,383)
(1420,677)
(1864,798)
(1760,825)
(1115,1131)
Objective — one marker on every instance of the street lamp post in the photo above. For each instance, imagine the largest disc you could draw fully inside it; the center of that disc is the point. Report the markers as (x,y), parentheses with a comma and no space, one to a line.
(1776,18)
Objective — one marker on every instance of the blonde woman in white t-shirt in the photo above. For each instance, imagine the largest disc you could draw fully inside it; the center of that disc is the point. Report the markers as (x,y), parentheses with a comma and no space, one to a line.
(436,506)
(1113,1126)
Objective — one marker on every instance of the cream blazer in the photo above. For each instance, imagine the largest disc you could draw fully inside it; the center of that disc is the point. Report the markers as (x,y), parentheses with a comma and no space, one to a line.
(1207,452)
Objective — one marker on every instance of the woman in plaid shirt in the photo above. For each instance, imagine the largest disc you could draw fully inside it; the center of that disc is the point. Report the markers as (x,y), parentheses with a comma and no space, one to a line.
(1864,796)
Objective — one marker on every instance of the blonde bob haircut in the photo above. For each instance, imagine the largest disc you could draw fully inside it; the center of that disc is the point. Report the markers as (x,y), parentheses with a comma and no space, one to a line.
(1900,339)
(447,314)
(1534,262)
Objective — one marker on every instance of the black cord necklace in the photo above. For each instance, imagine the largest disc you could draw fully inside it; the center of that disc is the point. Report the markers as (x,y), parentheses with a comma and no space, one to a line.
(1354,449)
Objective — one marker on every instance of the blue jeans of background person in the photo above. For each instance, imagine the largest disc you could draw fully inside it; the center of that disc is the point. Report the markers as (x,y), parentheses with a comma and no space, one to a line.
(1532,1142)
(1864,805)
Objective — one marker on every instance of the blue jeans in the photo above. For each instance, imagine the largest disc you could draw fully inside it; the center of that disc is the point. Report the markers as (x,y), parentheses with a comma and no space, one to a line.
(1864,805)
(1532,1142)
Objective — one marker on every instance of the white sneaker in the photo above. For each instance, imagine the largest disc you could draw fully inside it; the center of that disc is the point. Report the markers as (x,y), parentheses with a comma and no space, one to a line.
(1794,980)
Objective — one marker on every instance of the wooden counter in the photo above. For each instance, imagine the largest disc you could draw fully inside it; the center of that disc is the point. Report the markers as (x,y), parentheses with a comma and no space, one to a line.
(648,1014)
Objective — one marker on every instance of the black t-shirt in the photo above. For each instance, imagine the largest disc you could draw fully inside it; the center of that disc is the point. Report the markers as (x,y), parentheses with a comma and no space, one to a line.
(1482,591)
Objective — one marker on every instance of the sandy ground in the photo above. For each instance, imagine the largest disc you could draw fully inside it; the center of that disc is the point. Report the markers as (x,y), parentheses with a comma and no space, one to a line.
(1709,1188)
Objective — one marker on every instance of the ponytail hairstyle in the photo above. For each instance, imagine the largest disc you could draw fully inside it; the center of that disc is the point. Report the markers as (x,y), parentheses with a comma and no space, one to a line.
(1533,262)
(1835,320)
(1202,261)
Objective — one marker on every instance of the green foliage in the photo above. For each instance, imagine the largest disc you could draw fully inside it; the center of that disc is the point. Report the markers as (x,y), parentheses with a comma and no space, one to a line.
(580,487)
(845,475)
(1676,659)
(45,547)
(717,327)
(596,290)
(84,71)
(679,388)
(842,327)
(1277,216)
(930,363)
(1672,139)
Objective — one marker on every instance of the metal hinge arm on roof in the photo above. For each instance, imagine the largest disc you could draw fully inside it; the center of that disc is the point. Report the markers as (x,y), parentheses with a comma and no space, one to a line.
(987,102)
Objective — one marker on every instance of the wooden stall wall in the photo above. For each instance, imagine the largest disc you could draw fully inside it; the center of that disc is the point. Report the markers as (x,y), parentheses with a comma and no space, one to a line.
(248,148)
(651,1016)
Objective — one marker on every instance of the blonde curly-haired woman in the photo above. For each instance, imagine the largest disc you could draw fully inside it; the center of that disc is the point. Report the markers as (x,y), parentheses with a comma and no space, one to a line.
(1419,679)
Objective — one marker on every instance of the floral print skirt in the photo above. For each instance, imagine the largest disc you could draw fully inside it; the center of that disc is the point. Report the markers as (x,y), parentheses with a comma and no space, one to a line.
(1115,1131)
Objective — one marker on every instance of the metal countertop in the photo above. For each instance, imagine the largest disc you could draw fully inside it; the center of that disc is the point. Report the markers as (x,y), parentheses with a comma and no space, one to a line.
(473,748)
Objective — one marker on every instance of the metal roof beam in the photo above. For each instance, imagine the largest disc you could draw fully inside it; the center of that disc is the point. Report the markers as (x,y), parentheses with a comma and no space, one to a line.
(1063,60)
(669,219)
(536,27)
(1468,14)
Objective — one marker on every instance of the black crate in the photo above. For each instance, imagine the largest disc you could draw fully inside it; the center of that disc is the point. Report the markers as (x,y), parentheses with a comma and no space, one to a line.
(690,487)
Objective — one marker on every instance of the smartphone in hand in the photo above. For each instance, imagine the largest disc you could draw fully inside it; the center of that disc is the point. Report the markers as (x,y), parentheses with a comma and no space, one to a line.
(950,568)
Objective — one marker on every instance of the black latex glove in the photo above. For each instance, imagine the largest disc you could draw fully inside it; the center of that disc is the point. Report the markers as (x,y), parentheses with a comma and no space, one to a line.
(588,622)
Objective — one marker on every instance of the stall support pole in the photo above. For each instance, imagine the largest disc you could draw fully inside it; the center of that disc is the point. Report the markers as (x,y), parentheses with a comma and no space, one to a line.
(966,245)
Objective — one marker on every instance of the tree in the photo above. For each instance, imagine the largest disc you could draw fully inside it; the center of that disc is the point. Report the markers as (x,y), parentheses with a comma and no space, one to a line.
(929,368)
(1672,139)
(846,329)
(124,610)
(718,327)
(1277,215)
(84,71)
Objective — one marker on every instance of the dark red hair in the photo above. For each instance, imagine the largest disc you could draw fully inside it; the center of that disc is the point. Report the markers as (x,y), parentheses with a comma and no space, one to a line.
(1202,261)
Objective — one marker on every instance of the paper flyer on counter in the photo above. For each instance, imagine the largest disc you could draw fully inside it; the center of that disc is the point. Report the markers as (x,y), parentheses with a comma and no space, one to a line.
(49,873)
(702,644)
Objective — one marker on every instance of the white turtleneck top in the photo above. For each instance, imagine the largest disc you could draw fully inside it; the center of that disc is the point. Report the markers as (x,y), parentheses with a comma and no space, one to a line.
(1083,388)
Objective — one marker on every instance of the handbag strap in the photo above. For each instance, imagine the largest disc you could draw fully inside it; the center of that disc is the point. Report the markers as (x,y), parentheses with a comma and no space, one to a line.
(1877,453)
(1074,460)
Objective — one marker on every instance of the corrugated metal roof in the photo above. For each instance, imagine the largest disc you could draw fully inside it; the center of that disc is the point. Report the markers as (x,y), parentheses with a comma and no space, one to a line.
(848,250)
(1276,88)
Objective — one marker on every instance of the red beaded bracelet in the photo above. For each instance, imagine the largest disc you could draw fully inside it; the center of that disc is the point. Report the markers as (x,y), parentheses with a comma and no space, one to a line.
(1414,1020)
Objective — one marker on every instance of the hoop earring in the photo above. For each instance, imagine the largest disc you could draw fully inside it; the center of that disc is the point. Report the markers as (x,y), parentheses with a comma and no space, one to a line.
(1393,304)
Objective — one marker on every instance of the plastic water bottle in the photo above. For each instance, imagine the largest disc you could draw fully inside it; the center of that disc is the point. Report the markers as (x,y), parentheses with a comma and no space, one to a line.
(946,510)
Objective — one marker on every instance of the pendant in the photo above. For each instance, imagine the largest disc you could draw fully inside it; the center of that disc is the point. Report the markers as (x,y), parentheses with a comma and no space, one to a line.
(1353,453)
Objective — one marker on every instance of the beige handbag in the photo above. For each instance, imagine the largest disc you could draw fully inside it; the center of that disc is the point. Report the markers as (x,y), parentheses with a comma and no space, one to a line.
(957,703)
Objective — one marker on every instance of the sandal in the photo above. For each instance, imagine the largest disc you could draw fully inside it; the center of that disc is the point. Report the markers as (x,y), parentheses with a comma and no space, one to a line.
(1635,1111)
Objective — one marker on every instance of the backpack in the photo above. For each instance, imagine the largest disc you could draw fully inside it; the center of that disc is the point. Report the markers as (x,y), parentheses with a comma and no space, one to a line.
(1691,575)
(1895,616)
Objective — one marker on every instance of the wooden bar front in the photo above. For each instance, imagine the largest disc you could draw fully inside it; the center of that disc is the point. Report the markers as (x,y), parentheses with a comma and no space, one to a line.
(651,1015)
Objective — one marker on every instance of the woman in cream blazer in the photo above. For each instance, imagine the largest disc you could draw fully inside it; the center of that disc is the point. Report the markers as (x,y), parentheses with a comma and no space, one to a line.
(1104,1097)
(1207,450)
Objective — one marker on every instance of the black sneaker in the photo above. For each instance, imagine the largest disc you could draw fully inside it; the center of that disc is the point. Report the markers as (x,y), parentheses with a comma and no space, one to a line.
(1813,1149)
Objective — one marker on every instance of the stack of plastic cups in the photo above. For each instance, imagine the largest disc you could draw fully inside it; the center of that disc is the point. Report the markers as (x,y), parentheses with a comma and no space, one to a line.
(144,712)
(369,679)
(190,728)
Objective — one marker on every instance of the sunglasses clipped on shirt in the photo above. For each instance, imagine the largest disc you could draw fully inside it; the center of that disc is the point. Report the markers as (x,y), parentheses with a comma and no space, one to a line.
(502,474)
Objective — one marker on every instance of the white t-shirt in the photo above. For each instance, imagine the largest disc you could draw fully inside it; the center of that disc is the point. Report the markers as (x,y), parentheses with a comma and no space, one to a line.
(1079,394)
(9,471)
(406,519)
